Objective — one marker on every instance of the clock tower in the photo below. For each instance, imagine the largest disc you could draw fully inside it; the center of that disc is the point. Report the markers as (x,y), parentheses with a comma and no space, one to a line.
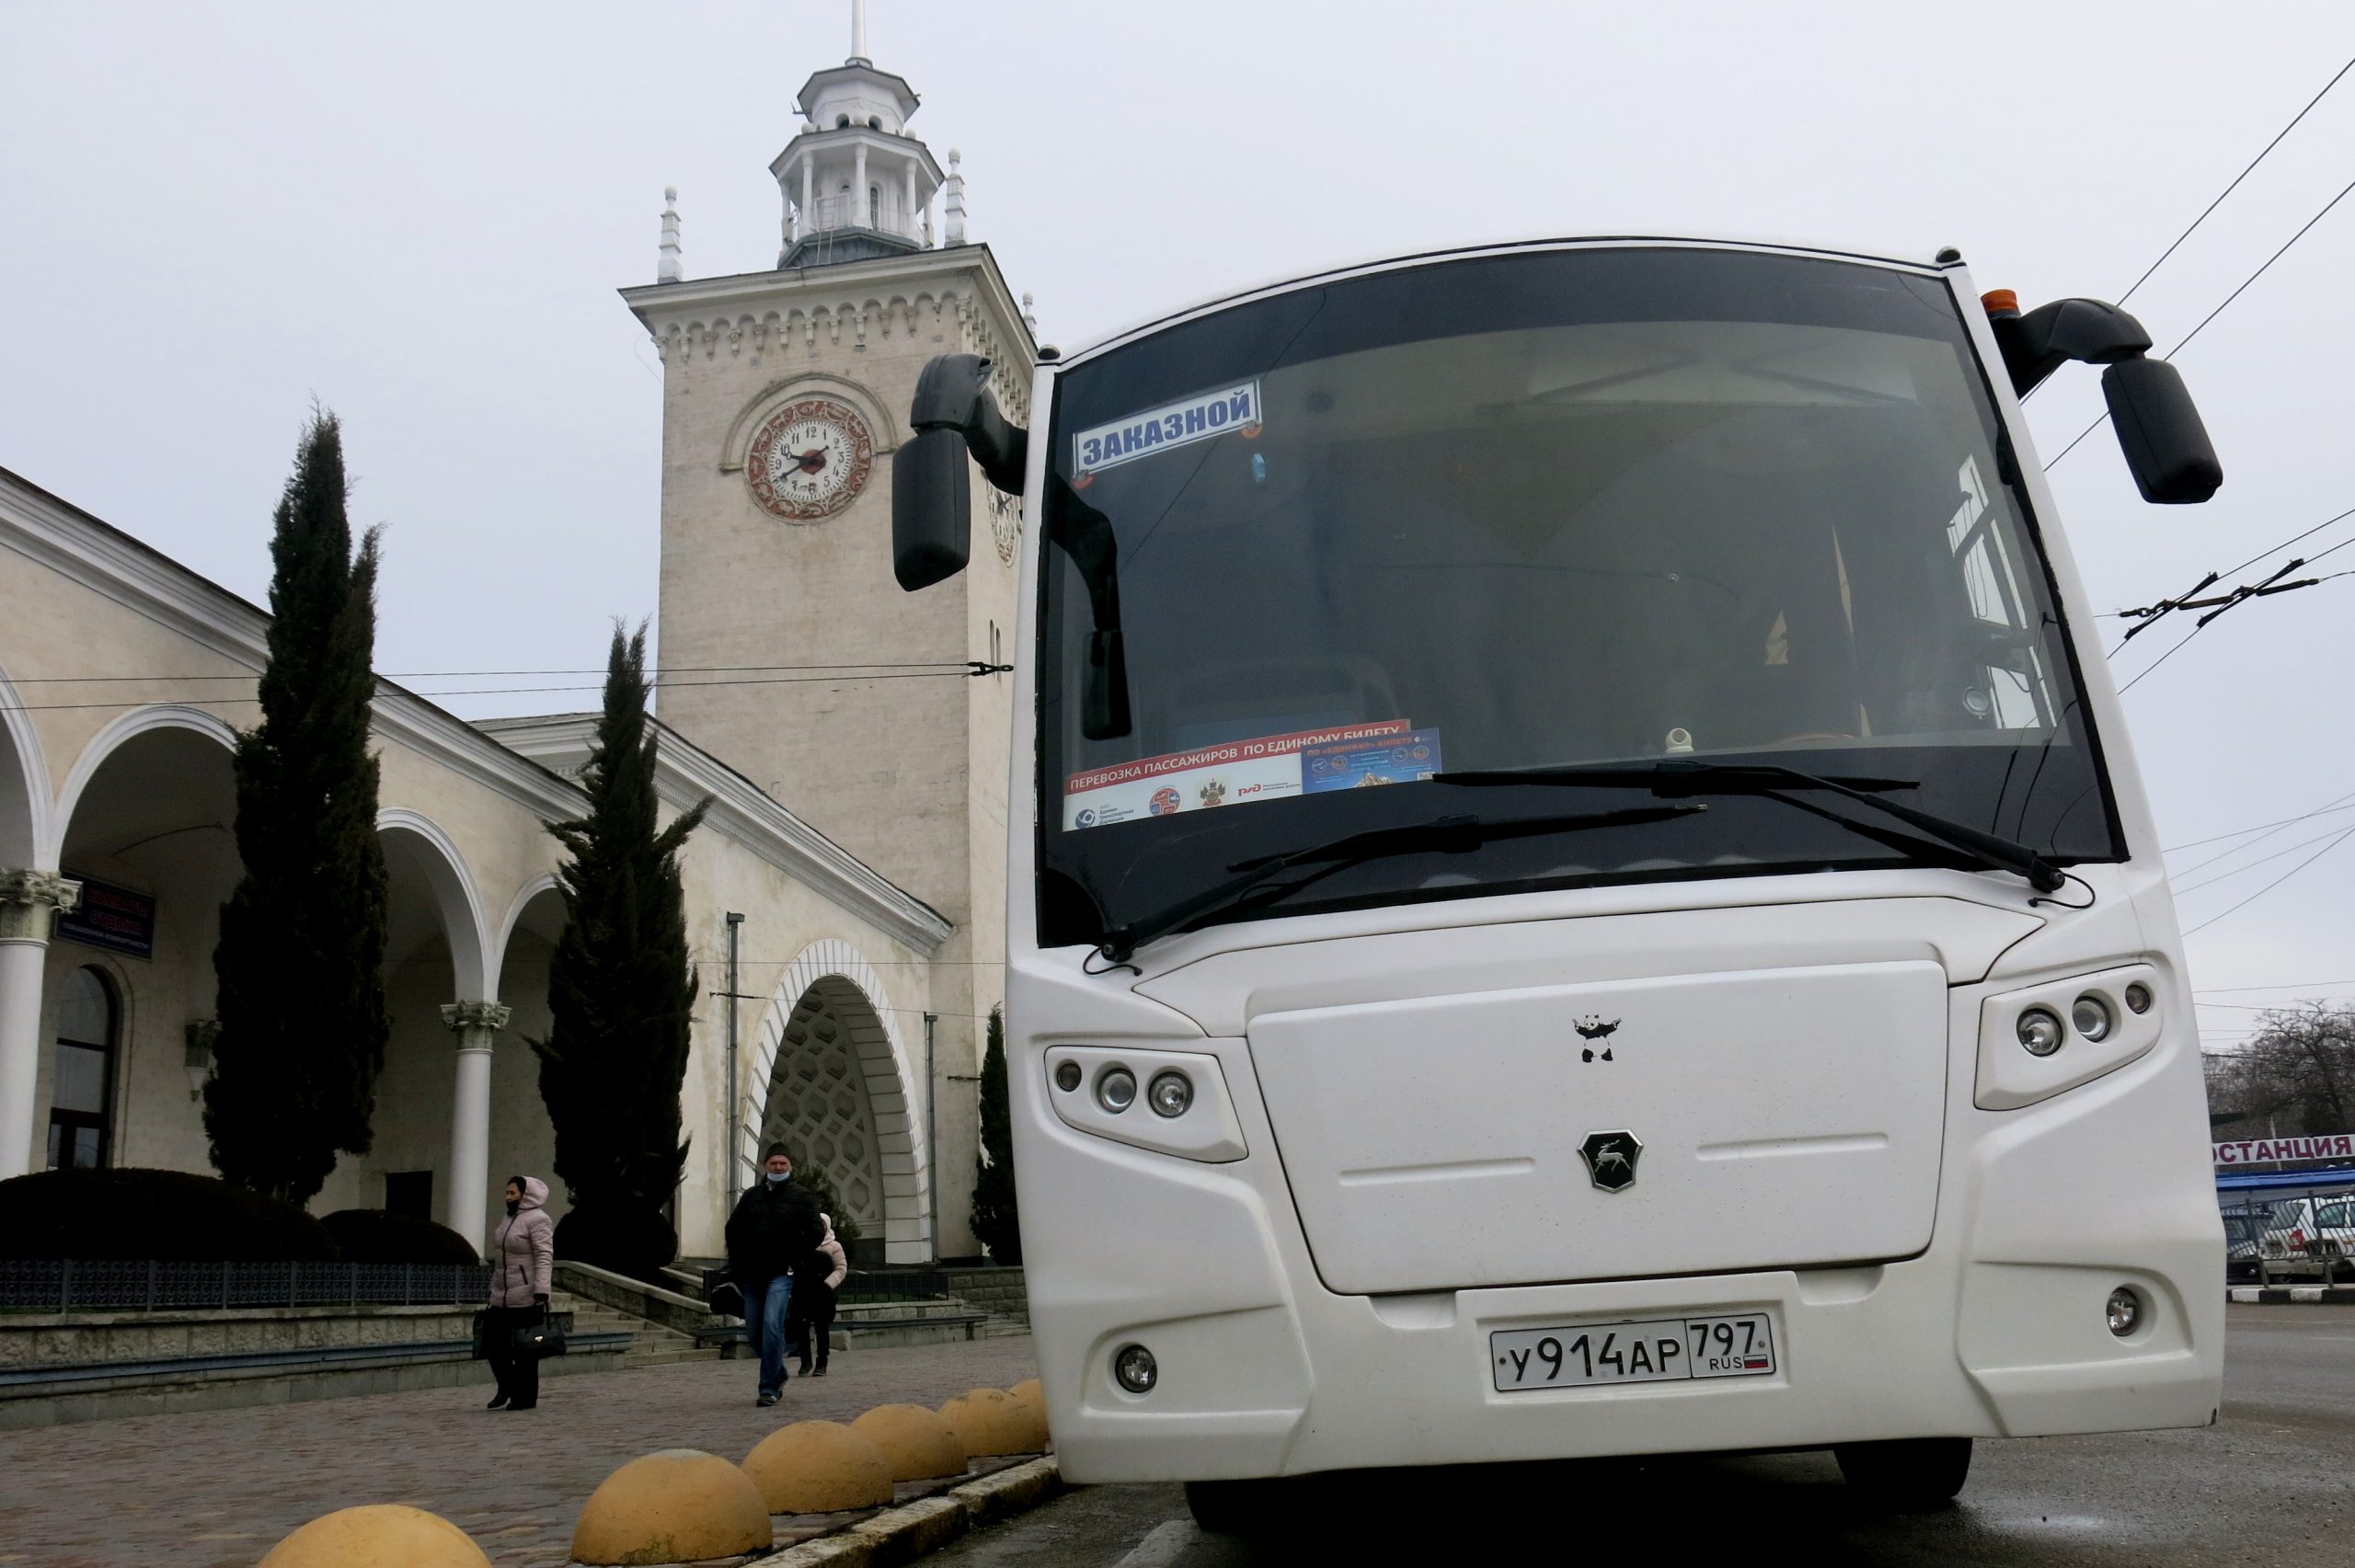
(787,651)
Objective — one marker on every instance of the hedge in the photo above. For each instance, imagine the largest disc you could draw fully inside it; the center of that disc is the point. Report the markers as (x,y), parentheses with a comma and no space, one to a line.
(374,1235)
(169,1216)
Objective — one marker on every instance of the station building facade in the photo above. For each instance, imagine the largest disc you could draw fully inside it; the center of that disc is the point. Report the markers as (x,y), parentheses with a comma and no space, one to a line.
(116,851)
(866,955)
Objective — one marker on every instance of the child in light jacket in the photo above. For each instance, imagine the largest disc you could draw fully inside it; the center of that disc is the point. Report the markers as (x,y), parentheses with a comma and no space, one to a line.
(814,1284)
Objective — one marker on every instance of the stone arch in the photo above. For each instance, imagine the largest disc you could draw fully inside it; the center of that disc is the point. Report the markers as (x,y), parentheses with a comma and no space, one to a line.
(25,834)
(837,1082)
(539,888)
(415,843)
(119,732)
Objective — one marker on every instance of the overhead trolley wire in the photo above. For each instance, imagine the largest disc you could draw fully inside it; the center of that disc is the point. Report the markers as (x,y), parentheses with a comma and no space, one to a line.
(2251,865)
(946,666)
(2344,803)
(2185,340)
(972,668)
(2336,840)
(2261,157)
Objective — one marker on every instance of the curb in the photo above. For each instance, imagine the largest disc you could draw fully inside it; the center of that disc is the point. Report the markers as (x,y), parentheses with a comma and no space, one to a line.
(2283,1295)
(905,1533)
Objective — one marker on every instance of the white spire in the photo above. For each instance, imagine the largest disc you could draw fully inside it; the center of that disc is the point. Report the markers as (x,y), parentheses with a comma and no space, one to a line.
(667,269)
(956,203)
(858,30)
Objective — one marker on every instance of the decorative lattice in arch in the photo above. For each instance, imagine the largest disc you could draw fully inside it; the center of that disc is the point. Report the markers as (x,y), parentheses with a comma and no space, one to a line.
(831,1077)
(818,1101)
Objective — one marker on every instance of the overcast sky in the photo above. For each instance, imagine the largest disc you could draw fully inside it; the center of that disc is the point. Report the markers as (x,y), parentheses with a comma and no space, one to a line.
(418,215)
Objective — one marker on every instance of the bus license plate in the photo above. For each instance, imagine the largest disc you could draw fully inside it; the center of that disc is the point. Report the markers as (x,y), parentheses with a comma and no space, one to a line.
(1656,1350)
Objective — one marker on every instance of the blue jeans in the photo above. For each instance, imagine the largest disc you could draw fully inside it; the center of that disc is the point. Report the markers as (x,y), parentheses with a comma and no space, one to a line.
(766,1304)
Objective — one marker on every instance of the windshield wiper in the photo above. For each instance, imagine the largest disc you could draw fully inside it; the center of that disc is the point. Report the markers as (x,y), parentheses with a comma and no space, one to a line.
(1444,835)
(1673,779)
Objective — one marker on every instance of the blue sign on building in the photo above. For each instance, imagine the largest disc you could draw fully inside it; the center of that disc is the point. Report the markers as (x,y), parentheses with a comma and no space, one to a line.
(113,918)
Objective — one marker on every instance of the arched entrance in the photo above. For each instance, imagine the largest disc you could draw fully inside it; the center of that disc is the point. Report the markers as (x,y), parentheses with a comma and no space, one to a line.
(838,1089)
(522,1139)
(429,1147)
(146,821)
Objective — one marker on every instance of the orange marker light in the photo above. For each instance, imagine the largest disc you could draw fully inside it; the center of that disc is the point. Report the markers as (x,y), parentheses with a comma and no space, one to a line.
(2001,301)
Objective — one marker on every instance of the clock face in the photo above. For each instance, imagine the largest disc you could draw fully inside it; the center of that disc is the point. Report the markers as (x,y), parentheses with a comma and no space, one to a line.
(809,460)
(1005,522)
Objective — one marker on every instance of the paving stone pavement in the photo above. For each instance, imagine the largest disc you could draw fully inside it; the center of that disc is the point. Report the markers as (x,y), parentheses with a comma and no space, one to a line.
(217,1489)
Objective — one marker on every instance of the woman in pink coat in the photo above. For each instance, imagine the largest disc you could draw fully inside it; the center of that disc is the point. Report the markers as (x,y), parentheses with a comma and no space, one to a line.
(811,1318)
(522,1255)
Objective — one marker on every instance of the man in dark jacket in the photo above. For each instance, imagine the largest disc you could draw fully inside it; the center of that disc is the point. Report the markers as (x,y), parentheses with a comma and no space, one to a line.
(774,1227)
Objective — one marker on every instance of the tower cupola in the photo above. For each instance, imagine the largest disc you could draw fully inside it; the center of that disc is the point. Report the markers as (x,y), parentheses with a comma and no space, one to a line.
(856,186)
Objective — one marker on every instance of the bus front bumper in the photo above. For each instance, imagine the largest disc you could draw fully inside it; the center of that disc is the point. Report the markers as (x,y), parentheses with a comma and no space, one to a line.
(1926,1347)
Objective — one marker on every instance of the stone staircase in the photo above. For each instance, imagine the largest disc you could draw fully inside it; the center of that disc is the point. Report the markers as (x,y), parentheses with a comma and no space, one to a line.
(653,1345)
(981,1305)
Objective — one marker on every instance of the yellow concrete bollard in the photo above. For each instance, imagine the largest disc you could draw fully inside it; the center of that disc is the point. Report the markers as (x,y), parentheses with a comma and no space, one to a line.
(1032,1402)
(381,1535)
(916,1443)
(819,1467)
(679,1505)
(990,1422)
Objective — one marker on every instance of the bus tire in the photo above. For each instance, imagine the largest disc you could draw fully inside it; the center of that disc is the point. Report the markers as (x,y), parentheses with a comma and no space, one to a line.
(1906,1473)
(1249,1510)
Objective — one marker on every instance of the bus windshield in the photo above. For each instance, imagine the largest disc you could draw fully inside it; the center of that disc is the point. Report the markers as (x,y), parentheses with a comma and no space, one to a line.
(1545,509)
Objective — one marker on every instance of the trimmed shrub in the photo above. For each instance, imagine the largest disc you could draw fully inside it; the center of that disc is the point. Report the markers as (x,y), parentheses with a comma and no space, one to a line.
(372,1235)
(634,1242)
(169,1216)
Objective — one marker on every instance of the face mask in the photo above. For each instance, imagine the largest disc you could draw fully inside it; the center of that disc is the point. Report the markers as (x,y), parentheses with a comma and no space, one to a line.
(777,1178)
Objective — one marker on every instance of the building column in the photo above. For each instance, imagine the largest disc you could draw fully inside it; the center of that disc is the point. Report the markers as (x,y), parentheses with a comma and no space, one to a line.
(475,1023)
(908,208)
(858,192)
(29,902)
(809,214)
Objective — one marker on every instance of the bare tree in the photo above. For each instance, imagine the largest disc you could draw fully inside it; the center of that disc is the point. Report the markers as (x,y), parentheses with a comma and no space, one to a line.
(2296,1074)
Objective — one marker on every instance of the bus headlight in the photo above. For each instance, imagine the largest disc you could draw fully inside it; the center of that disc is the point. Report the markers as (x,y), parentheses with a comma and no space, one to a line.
(1094,1089)
(1170,1094)
(2105,1019)
(1116,1089)
(2041,1032)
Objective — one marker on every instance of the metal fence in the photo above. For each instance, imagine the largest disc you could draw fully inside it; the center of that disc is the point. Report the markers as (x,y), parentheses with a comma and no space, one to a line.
(2307,1239)
(892,1285)
(59,1286)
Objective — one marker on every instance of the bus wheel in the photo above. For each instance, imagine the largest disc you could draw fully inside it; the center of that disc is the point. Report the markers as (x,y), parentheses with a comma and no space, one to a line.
(1908,1474)
(1253,1510)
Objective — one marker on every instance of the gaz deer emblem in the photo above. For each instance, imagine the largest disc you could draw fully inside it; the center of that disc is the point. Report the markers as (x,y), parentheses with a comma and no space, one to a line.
(1611,1159)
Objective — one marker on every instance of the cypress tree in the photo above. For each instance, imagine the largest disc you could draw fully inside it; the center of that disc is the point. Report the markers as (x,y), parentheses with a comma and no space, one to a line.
(299,962)
(621,993)
(994,1220)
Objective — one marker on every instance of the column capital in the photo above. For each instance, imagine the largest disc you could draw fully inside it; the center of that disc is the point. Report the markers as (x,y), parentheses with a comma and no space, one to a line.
(465,1018)
(28,900)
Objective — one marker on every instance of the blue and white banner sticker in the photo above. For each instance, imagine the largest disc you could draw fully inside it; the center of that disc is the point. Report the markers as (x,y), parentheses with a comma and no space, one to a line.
(1195,418)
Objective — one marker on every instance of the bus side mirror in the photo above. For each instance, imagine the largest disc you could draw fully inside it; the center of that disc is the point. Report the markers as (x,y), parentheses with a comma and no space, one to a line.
(2159,430)
(953,413)
(932,509)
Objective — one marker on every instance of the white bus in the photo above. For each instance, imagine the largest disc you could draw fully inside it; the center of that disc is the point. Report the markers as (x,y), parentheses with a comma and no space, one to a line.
(1606,907)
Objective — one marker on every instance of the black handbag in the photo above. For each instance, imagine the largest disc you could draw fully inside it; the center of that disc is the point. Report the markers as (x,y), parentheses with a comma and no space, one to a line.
(538,1341)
